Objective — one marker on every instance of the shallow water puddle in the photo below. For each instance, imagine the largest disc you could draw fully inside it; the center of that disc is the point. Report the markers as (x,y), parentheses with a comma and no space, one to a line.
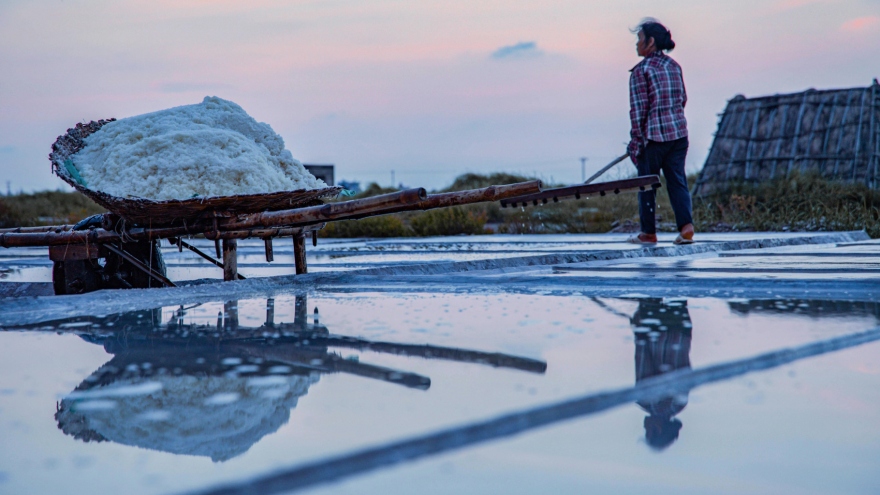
(186,397)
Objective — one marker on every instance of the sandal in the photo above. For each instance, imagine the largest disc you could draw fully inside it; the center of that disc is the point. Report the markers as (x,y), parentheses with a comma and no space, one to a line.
(682,240)
(643,238)
(686,236)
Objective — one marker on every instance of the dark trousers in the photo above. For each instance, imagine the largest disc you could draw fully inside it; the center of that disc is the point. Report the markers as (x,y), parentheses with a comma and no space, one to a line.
(668,157)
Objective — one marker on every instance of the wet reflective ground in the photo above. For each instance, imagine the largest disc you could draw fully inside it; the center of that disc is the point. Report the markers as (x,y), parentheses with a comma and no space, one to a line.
(343,255)
(205,393)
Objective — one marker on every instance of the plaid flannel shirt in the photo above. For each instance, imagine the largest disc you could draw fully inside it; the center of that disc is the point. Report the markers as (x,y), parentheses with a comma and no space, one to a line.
(656,99)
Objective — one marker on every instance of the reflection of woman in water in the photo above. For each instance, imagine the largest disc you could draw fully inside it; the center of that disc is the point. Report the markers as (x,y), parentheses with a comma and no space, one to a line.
(663,344)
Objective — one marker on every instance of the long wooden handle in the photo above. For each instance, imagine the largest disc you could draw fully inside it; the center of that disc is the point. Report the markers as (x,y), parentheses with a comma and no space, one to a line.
(607,167)
(262,224)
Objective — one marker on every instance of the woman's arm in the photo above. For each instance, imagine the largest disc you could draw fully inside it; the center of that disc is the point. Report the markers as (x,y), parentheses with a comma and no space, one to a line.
(638,112)
(684,93)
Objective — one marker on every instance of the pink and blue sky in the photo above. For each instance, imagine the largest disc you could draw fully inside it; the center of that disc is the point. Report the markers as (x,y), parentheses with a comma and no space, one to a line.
(430,89)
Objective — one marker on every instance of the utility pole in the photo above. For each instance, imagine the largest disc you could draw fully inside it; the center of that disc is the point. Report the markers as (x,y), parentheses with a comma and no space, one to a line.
(9,188)
(583,169)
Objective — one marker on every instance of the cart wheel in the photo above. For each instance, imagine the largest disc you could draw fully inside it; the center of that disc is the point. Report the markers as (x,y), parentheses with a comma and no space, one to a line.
(76,276)
(120,274)
(81,276)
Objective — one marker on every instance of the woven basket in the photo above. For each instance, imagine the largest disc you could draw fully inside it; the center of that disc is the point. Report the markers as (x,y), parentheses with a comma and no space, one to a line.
(144,211)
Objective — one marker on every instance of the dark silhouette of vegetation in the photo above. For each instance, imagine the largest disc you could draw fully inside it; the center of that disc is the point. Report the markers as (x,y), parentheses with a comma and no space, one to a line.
(383,226)
(477,181)
(449,221)
(799,202)
(371,190)
(45,208)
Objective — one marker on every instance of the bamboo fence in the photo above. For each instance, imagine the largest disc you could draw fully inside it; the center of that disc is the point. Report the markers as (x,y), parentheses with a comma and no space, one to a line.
(833,132)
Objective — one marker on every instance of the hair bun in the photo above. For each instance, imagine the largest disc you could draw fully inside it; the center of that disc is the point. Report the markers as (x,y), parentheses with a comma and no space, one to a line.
(653,29)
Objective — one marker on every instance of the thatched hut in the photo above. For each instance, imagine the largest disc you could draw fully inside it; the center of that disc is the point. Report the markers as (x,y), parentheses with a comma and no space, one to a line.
(833,132)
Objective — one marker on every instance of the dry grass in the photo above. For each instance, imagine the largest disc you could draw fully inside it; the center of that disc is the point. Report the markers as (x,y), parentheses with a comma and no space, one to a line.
(45,208)
(384,226)
(800,202)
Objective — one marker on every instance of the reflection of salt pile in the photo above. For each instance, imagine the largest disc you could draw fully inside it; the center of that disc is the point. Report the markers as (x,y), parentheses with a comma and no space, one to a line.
(216,416)
(212,148)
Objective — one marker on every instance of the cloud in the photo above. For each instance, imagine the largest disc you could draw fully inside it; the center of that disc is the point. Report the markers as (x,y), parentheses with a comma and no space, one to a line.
(186,87)
(524,49)
(861,23)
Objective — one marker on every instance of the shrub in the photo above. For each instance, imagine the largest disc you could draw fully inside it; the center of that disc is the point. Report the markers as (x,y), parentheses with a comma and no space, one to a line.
(477,181)
(45,208)
(449,221)
(373,189)
(383,226)
(799,202)
(10,216)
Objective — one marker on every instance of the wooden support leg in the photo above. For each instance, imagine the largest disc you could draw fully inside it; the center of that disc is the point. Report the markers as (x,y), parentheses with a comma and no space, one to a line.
(301,314)
(230,310)
(230,259)
(270,254)
(270,312)
(299,254)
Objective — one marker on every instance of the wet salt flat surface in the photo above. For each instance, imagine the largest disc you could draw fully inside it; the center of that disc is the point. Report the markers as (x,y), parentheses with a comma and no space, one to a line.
(200,392)
(33,265)
(822,261)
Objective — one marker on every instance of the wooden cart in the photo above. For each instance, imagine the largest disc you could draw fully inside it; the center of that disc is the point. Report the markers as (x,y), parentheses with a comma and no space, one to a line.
(120,249)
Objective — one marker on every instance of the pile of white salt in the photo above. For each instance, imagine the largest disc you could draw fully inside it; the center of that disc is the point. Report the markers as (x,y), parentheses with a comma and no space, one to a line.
(220,417)
(213,148)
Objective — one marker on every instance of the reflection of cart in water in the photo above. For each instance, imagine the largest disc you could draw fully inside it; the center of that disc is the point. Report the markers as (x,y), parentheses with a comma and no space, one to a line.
(807,307)
(215,390)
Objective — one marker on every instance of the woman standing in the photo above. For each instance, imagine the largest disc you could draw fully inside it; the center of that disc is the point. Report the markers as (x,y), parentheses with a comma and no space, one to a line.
(659,130)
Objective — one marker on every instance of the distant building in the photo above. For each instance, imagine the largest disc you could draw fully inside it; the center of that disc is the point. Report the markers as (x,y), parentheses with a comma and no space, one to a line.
(322,171)
(833,132)
(352,186)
